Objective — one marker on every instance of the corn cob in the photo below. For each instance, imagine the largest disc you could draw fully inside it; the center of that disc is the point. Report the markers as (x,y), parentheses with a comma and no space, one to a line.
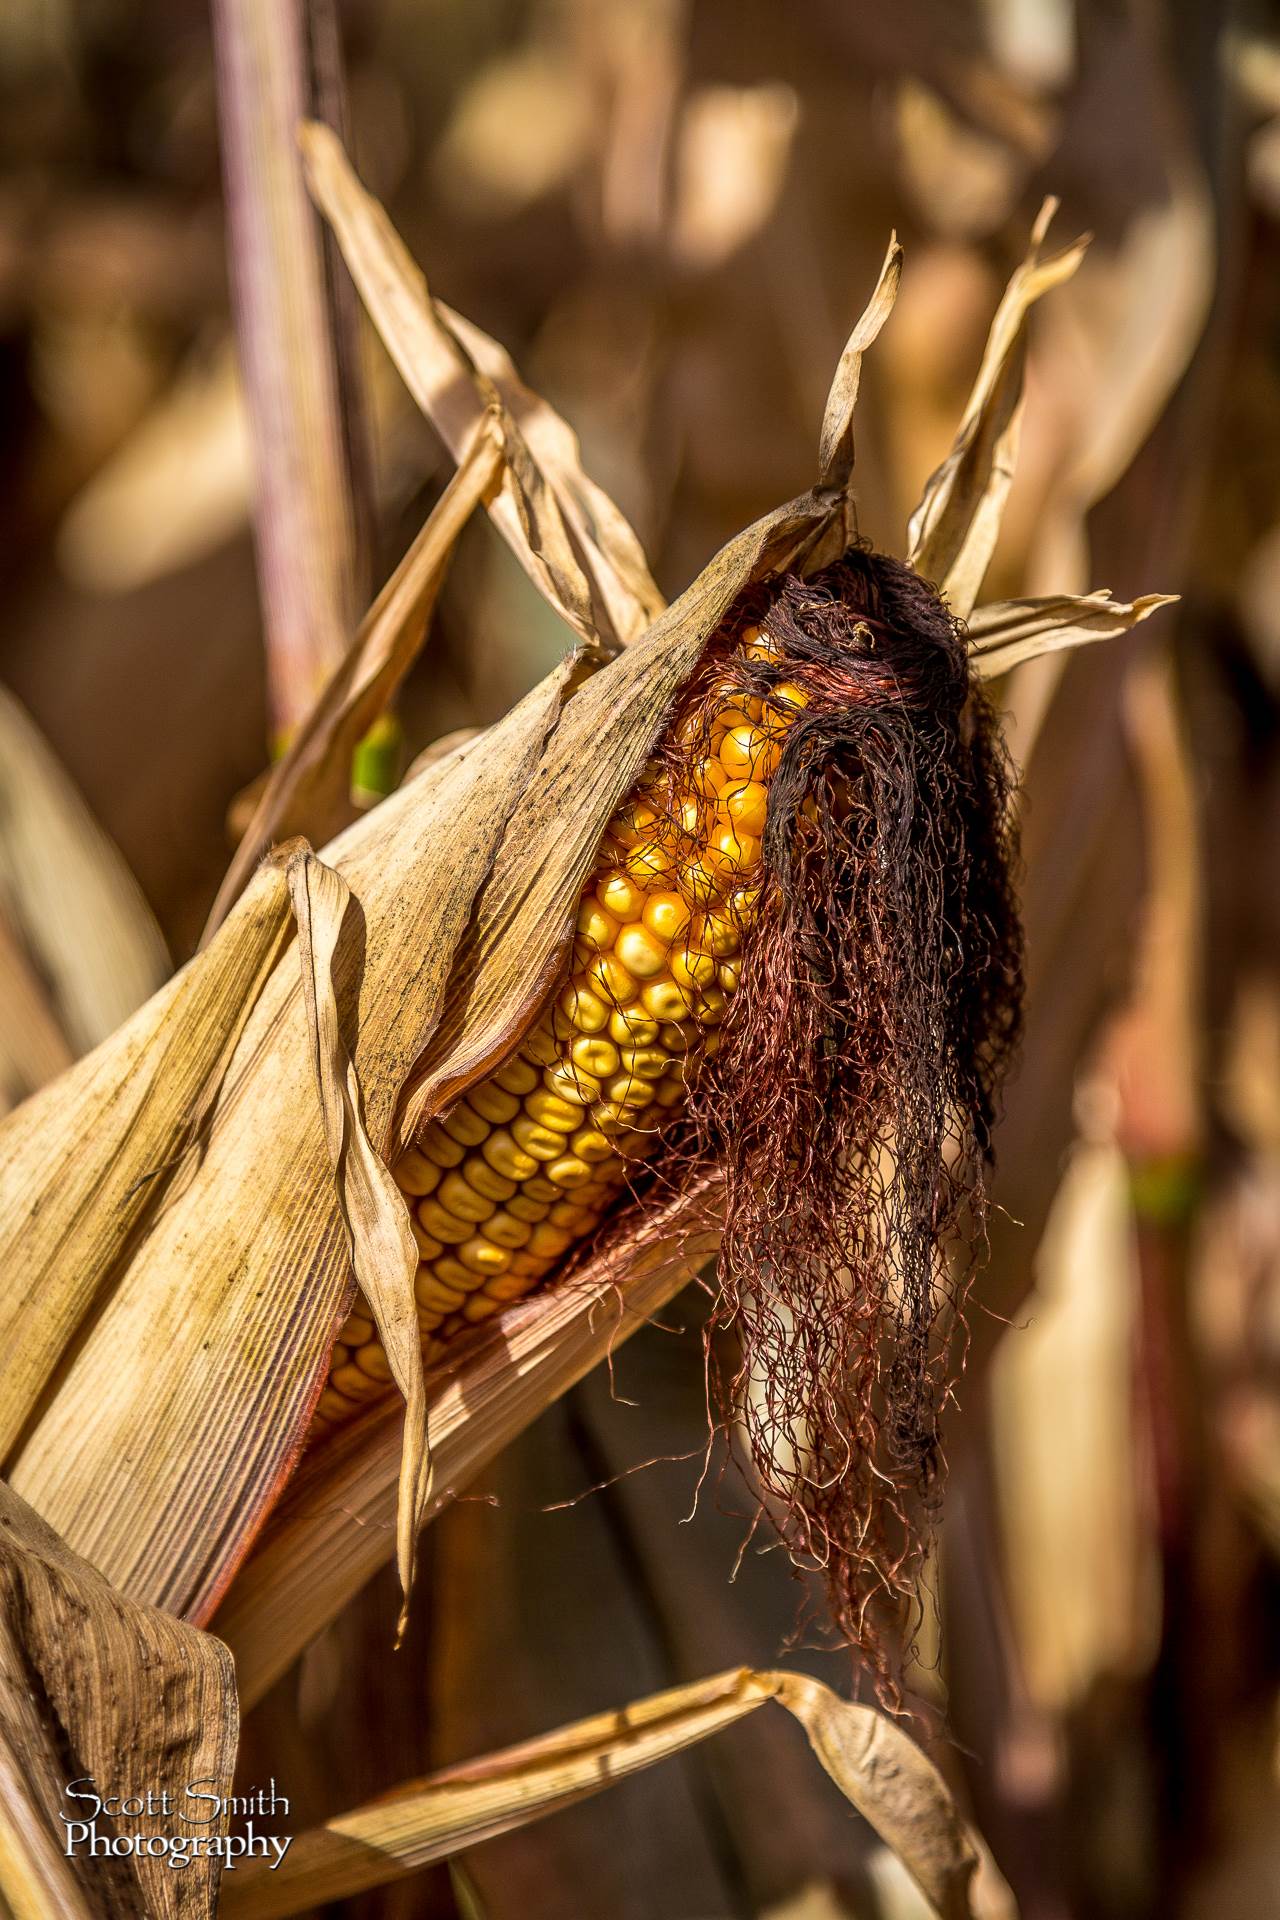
(526,1164)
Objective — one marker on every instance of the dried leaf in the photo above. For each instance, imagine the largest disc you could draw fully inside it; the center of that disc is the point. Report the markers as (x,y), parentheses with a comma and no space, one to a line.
(87,1677)
(1003,633)
(384,1254)
(572,542)
(87,1158)
(178,1416)
(835,446)
(335,1525)
(307,789)
(952,533)
(874,1763)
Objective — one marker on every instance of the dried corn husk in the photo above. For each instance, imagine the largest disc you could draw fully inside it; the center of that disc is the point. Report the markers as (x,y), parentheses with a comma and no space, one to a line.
(885,1775)
(92,1685)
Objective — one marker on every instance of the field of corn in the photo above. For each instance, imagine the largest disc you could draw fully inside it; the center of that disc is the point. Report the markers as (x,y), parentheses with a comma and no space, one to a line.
(639,960)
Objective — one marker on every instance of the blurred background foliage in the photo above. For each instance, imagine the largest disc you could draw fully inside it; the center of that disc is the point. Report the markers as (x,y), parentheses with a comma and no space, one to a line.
(670,211)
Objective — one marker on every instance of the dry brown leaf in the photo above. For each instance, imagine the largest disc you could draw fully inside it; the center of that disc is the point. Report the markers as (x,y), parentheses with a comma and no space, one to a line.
(177,1418)
(874,1763)
(335,1525)
(1003,633)
(952,533)
(573,543)
(94,1688)
(307,789)
(384,1253)
(835,443)
(87,1157)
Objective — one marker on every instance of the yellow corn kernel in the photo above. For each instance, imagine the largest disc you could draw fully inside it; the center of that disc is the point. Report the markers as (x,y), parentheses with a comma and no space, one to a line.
(570,1172)
(372,1360)
(620,897)
(480,1256)
(442,1225)
(628,1090)
(479,1174)
(354,1383)
(525,1207)
(633,823)
(748,754)
(691,969)
(631,1027)
(729,852)
(428,1246)
(613,981)
(746,804)
(666,915)
(480,1306)
(583,1008)
(644,1063)
(592,1146)
(595,1056)
(649,864)
(567,1081)
(518,1076)
(464,1125)
(663,1000)
(642,953)
(457,1194)
(437,1146)
(541,1046)
(492,1104)
(760,645)
(549,1242)
(598,928)
(415,1174)
(513,1286)
(506,1158)
(506,1231)
(539,1141)
(550,1111)
(435,1295)
(715,933)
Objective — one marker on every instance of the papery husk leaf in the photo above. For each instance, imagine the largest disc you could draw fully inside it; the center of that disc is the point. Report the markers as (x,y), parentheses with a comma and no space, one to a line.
(384,1253)
(1003,633)
(835,443)
(951,536)
(59,873)
(180,1413)
(572,542)
(95,1687)
(617,566)
(885,1775)
(335,1525)
(84,1161)
(307,790)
